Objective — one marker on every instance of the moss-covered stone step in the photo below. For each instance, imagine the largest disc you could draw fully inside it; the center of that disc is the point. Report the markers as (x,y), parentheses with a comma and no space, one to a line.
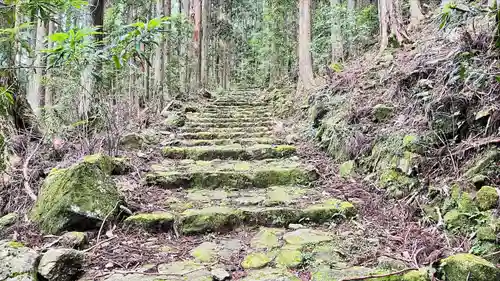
(236,110)
(226,130)
(238,103)
(224,135)
(290,196)
(229,174)
(245,142)
(234,151)
(229,124)
(223,219)
(241,114)
(227,218)
(195,120)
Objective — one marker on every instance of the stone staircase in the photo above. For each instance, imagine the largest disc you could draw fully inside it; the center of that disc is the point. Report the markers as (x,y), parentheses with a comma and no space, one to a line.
(227,170)
(251,203)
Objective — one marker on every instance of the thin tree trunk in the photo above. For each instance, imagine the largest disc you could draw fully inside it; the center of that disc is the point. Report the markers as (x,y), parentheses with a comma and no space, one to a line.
(305,59)
(416,15)
(204,44)
(168,51)
(391,23)
(37,89)
(337,41)
(49,98)
(159,67)
(197,42)
(187,60)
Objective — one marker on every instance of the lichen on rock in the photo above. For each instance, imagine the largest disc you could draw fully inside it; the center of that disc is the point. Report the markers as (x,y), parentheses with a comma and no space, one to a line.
(76,198)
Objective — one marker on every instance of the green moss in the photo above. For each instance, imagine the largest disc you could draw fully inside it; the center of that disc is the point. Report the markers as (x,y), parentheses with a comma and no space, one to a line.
(109,165)
(15,244)
(306,237)
(346,169)
(289,258)
(234,151)
(382,112)
(466,203)
(483,163)
(212,219)
(397,184)
(486,233)
(256,260)
(8,220)
(468,267)
(205,252)
(266,238)
(158,220)
(329,209)
(80,196)
(455,219)
(487,198)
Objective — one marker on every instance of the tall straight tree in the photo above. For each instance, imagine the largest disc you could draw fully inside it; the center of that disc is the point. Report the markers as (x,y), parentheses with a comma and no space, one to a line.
(197,8)
(391,22)
(205,42)
(305,59)
(159,68)
(337,41)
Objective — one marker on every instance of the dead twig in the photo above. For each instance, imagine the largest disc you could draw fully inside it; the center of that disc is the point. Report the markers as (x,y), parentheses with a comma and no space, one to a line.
(26,177)
(104,222)
(98,244)
(379,276)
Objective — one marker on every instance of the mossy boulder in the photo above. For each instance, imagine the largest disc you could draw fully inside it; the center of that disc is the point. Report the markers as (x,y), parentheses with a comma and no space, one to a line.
(487,198)
(397,183)
(77,198)
(158,221)
(73,239)
(468,267)
(328,210)
(132,141)
(109,165)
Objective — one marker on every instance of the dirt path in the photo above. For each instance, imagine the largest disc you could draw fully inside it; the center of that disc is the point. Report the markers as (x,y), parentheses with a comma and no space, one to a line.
(231,200)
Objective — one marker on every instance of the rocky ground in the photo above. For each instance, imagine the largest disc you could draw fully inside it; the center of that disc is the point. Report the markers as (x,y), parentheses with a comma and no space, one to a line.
(223,199)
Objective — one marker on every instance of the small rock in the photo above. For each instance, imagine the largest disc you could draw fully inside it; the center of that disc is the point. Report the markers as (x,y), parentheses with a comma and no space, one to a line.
(61,264)
(17,260)
(479,180)
(382,112)
(295,226)
(175,120)
(8,220)
(206,252)
(255,261)
(220,274)
(74,239)
(109,265)
(266,238)
(132,141)
(306,236)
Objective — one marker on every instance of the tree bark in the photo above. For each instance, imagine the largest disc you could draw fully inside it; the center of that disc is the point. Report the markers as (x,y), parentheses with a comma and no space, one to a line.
(416,15)
(159,68)
(305,59)
(337,41)
(36,93)
(49,98)
(204,44)
(197,42)
(391,23)
(168,50)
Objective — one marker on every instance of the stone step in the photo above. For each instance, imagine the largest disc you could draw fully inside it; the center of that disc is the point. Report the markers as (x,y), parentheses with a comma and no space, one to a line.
(224,135)
(229,102)
(234,151)
(229,174)
(247,142)
(237,107)
(219,120)
(248,114)
(230,124)
(248,111)
(225,218)
(253,129)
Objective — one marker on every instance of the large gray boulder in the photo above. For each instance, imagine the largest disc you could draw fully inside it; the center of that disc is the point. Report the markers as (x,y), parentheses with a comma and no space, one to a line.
(17,262)
(61,264)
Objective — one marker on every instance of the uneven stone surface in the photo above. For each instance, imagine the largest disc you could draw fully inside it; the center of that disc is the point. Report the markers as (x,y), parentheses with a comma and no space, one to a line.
(8,220)
(61,264)
(17,262)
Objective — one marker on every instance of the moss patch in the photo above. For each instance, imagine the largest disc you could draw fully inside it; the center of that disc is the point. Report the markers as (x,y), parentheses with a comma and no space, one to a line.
(212,219)
(487,198)
(236,152)
(206,252)
(255,261)
(152,221)
(468,267)
(328,210)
